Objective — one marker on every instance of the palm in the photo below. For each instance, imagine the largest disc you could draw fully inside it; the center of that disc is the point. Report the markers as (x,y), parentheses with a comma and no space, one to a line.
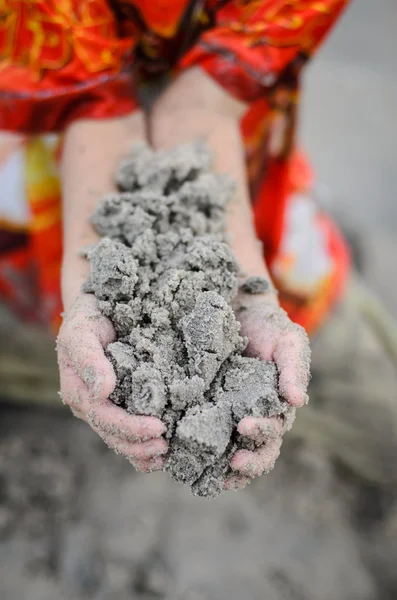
(271,336)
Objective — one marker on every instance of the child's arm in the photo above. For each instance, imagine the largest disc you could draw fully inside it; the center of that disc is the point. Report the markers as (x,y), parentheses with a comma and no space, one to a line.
(194,106)
(91,155)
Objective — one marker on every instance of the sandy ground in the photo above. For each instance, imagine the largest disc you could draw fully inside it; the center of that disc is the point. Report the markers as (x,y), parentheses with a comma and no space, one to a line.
(77,522)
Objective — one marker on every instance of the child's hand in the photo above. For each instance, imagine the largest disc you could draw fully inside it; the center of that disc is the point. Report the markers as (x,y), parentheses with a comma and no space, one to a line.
(272,336)
(87,380)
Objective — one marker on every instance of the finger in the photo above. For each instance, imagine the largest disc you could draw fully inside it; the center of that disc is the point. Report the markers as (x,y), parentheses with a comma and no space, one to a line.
(85,311)
(109,419)
(236,482)
(78,414)
(106,418)
(261,430)
(292,357)
(142,451)
(80,345)
(88,361)
(148,466)
(253,464)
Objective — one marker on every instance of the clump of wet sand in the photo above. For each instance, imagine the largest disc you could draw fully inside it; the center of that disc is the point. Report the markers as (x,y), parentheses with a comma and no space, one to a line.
(165,276)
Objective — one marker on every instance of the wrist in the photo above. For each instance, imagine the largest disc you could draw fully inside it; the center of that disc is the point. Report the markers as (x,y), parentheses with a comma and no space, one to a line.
(75,270)
(247,249)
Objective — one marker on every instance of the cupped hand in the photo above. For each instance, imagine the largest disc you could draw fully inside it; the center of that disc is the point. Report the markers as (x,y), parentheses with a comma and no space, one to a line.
(88,379)
(271,336)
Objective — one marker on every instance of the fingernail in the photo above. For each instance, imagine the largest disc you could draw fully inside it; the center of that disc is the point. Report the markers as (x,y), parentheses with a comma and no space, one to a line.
(258,429)
(148,466)
(236,483)
(97,386)
(251,469)
(153,450)
(295,396)
(152,428)
(267,429)
(243,462)
(90,377)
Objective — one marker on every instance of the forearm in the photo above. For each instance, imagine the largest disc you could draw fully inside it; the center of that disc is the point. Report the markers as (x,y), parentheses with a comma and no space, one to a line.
(92,152)
(185,113)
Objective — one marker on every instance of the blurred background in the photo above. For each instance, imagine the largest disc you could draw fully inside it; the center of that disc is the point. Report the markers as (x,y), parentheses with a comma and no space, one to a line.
(350,130)
(77,522)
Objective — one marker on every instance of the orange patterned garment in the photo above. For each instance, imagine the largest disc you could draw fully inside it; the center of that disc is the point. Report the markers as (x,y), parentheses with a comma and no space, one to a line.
(61,60)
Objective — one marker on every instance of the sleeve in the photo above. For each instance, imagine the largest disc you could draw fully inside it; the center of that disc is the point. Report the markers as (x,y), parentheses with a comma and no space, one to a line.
(250,44)
(60,61)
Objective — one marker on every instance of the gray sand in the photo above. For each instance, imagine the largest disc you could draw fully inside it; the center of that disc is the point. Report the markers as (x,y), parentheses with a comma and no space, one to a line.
(165,276)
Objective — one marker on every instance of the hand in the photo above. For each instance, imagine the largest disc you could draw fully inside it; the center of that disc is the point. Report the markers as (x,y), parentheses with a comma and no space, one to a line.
(88,379)
(272,336)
